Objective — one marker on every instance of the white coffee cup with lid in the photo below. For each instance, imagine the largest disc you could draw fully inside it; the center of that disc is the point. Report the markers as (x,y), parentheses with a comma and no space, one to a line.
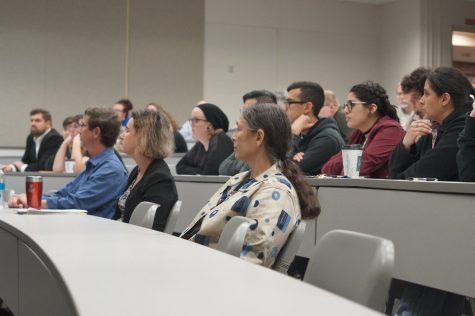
(352,160)
(69,166)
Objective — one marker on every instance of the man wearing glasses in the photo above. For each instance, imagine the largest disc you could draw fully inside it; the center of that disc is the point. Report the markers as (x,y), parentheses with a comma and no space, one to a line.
(315,139)
(100,185)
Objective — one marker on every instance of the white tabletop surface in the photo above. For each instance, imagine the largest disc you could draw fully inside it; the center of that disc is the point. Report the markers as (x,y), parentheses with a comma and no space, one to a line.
(113,268)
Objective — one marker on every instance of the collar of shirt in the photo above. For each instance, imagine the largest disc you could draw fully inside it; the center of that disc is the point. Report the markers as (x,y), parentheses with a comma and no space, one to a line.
(39,139)
(100,157)
(273,170)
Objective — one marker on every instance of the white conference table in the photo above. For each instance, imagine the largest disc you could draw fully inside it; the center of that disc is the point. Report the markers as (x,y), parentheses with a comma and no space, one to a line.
(84,265)
(431,223)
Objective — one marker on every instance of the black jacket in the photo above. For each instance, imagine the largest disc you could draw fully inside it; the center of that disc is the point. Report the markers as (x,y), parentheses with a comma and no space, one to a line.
(48,148)
(466,153)
(231,166)
(180,143)
(321,142)
(157,186)
(423,161)
(199,161)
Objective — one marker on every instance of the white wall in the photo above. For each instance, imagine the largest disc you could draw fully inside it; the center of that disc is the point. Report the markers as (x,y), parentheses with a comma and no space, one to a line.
(255,44)
(270,43)
(69,54)
(66,55)
(449,15)
(400,46)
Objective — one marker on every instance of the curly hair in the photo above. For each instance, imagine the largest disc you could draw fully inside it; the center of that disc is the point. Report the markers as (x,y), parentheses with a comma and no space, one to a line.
(128,106)
(415,81)
(373,93)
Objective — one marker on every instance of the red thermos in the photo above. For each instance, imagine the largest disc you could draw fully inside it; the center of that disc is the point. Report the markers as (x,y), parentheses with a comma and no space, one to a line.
(34,191)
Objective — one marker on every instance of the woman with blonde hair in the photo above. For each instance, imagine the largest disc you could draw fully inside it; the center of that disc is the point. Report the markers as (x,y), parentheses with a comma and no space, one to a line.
(147,138)
(180,143)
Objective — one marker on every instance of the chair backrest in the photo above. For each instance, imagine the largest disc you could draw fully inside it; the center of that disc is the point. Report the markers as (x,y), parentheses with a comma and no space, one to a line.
(173,218)
(354,265)
(144,214)
(232,238)
(288,252)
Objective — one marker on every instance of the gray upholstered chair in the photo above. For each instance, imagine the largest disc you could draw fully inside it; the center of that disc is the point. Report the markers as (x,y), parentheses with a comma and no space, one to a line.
(173,218)
(232,238)
(144,214)
(353,265)
(288,252)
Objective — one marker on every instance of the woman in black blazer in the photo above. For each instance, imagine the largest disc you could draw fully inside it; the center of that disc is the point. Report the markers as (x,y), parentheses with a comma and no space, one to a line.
(148,139)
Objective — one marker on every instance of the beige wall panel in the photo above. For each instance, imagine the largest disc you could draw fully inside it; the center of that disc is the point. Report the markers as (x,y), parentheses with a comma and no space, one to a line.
(166,54)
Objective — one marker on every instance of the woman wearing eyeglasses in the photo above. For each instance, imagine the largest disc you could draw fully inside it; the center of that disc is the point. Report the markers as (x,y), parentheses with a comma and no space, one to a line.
(209,125)
(376,127)
(273,195)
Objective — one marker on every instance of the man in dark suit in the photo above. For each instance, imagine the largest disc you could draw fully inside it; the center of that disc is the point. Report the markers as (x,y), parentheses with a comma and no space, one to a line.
(41,144)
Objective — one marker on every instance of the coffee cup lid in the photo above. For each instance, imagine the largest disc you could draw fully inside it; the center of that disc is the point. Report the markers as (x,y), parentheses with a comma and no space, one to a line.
(353,147)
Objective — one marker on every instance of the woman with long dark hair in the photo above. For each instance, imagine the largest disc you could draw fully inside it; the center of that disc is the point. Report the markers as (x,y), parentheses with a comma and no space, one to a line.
(274,194)
(375,127)
(429,147)
(466,142)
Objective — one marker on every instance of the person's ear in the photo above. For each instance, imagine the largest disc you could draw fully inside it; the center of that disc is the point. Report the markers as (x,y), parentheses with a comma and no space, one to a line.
(308,107)
(260,137)
(373,108)
(445,99)
(96,132)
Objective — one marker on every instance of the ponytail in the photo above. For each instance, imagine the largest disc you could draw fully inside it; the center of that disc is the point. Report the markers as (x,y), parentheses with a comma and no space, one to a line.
(276,126)
(372,92)
(308,200)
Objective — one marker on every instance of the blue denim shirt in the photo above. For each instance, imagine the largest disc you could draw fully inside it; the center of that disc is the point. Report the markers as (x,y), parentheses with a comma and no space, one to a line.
(96,189)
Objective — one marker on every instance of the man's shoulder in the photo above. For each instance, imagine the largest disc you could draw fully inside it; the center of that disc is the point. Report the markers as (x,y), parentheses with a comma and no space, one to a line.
(325,127)
(53,136)
(110,160)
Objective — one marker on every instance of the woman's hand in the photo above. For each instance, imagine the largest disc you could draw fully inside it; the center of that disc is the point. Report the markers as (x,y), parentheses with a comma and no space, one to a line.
(417,129)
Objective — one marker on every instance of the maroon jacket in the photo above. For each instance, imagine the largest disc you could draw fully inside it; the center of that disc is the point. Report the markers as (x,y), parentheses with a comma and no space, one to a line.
(382,138)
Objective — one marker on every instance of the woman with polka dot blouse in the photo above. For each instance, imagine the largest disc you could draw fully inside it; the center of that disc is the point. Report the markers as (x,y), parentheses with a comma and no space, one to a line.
(273,194)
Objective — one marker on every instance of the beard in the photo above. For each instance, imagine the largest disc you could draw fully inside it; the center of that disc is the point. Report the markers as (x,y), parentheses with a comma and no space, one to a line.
(35,132)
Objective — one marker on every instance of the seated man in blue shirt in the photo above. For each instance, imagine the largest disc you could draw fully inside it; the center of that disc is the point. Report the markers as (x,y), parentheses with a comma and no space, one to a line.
(97,188)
